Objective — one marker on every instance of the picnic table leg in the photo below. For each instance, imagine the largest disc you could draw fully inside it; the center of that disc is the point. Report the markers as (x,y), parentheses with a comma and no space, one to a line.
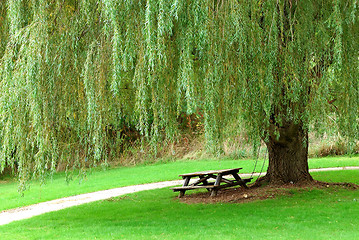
(205,182)
(186,181)
(238,178)
(217,183)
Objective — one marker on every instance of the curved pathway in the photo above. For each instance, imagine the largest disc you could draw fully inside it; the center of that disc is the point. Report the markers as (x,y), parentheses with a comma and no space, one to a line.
(16,214)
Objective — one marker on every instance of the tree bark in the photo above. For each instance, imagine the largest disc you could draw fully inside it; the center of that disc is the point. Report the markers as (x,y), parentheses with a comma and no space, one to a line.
(288,155)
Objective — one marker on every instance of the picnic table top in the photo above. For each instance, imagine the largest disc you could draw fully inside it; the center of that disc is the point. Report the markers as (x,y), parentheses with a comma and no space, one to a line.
(223,171)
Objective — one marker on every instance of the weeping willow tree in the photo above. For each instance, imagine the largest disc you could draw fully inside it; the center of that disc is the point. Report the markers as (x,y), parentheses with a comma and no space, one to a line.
(71,69)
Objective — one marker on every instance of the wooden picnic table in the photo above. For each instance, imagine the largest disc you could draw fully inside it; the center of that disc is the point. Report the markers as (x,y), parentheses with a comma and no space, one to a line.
(203,182)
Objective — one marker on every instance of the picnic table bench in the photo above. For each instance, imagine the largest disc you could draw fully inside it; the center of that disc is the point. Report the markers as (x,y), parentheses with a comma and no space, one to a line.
(203,182)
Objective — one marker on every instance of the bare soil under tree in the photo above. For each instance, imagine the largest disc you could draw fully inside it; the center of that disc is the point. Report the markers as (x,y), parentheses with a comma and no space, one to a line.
(257,193)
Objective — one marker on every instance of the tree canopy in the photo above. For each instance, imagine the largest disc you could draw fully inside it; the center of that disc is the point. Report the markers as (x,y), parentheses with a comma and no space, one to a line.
(72,68)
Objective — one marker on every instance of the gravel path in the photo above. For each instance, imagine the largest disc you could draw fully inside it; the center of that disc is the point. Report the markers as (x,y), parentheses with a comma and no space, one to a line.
(16,214)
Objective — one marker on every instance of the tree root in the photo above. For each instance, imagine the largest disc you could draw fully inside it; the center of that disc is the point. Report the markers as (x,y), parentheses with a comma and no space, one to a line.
(268,181)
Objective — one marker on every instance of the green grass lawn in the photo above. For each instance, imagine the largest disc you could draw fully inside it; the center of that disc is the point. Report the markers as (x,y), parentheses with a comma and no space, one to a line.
(157,214)
(125,176)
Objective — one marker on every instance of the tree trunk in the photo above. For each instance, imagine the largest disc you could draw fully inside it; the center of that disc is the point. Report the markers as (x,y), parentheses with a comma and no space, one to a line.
(288,155)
